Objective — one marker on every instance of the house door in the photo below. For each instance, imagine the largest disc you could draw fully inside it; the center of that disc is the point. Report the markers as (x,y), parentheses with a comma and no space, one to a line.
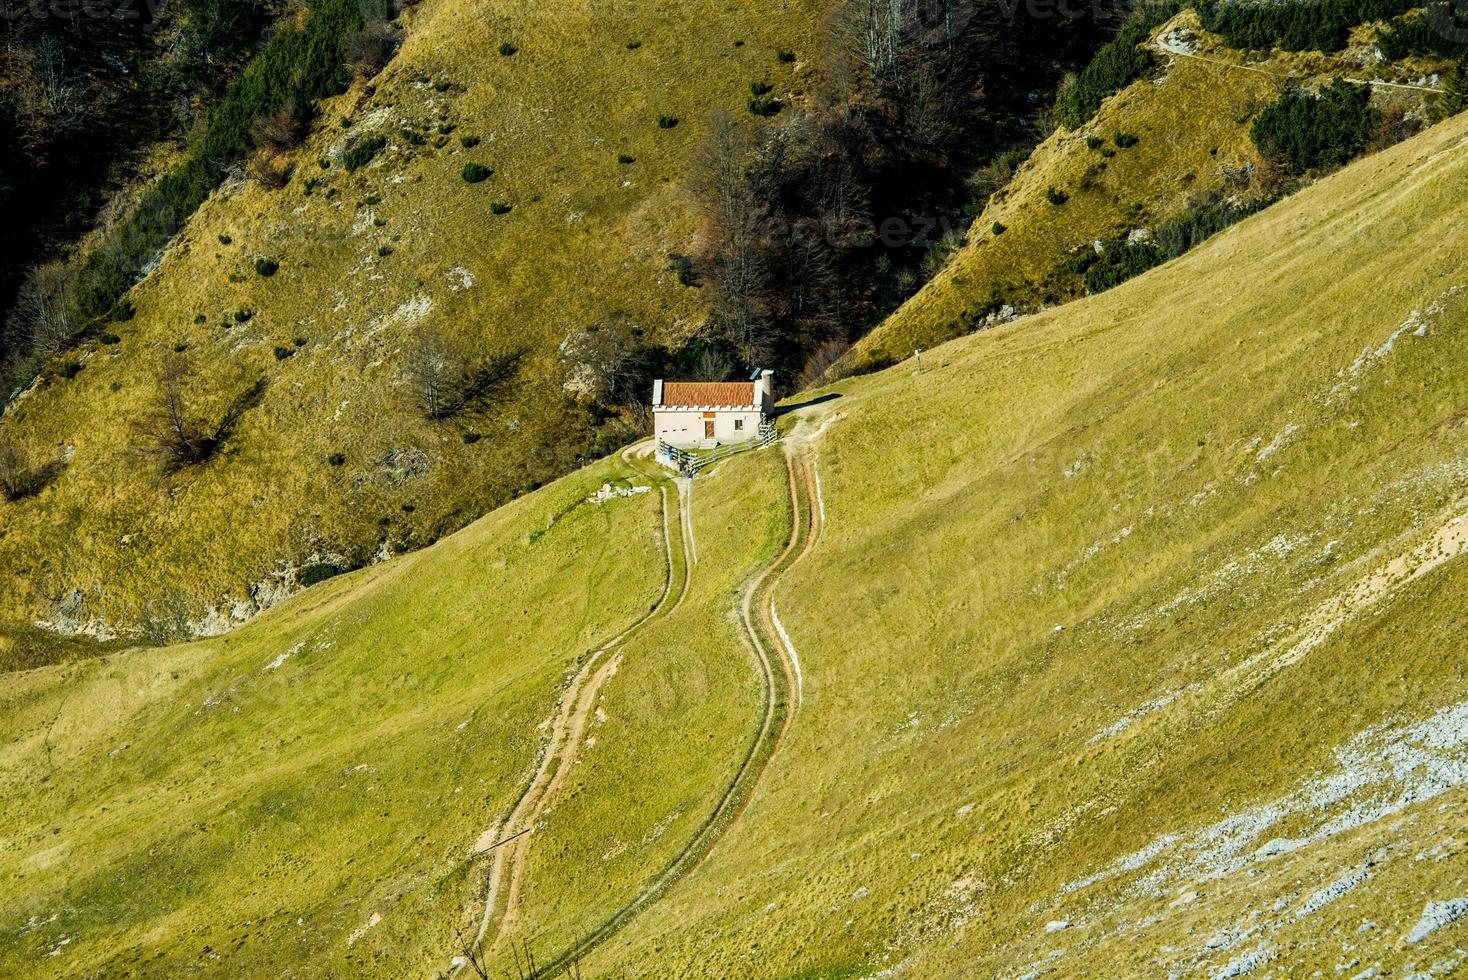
(708,428)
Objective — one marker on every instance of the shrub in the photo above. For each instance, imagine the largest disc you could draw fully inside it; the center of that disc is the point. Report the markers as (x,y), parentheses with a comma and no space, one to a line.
(1011,160)
(999,228)
(760,88)
(384,250)
(180,347)
(122,311)
(266,267)
(468,142)
(300,341)
(785,57)
(499,207)
(110,339)
(470,438)
(1316,131)
(1094,142)
(684,267)
(337,459)
(473,173)
(633,45)
(624,159)
(360,153)
(1432,31)
(1056,197)
(764,105)
(667,122)
(1455,91)
(1126,140)
(414,138)
(69,369)
(318,573)
(281,353)
(1121,259)
(243,316)
(225,239)
(507,49)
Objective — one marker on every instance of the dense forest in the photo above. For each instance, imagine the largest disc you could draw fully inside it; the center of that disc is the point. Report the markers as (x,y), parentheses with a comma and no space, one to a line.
(819,225)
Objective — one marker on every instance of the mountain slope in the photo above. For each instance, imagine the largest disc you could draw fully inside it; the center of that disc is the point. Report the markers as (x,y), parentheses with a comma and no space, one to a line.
(1131,643)
(367,258)
(1109,599)
(1190,120)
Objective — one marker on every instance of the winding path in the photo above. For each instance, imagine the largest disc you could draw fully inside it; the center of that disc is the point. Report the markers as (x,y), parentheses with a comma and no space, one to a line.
(782,691)
(779,676)
(510,839)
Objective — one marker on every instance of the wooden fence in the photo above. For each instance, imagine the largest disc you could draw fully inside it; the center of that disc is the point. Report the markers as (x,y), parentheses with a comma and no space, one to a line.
(689,462)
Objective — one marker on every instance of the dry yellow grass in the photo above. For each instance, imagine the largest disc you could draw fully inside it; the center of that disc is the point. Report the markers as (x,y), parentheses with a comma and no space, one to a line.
(110,545)
(1193,120)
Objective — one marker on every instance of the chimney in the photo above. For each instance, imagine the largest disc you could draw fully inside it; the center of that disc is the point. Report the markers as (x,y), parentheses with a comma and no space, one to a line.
(767,386)
(657,392)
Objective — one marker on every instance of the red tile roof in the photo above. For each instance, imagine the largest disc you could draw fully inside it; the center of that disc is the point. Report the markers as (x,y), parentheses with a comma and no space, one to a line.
(722,394)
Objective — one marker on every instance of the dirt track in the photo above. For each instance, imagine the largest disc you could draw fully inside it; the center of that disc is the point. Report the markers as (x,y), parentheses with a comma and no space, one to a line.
(778,680)
(781,693)
(511,838)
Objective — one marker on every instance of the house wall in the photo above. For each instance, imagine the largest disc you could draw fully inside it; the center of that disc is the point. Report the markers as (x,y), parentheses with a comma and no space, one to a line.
(684,428)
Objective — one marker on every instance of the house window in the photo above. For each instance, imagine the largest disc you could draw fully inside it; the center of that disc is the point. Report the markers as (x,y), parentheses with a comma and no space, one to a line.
(738,425)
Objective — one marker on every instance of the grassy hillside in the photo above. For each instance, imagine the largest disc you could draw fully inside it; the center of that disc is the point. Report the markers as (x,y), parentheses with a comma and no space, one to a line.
(336,465)
(1130,644)
(1191,120)
(1110,600)
(307,791)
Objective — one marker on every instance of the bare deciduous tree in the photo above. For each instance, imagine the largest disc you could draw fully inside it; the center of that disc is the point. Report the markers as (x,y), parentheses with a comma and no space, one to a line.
(267,172)
(19,478)
(449,379)
(45,314)
(606,362)
(174,431)
(734,260)
(14,467)
(281,129)
(823,366)
(369,51)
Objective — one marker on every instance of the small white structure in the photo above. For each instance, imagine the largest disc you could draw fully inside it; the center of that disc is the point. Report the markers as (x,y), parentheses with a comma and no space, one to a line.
(705,414)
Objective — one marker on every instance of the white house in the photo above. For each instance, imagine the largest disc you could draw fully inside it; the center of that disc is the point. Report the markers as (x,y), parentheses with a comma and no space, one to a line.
(704,414)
